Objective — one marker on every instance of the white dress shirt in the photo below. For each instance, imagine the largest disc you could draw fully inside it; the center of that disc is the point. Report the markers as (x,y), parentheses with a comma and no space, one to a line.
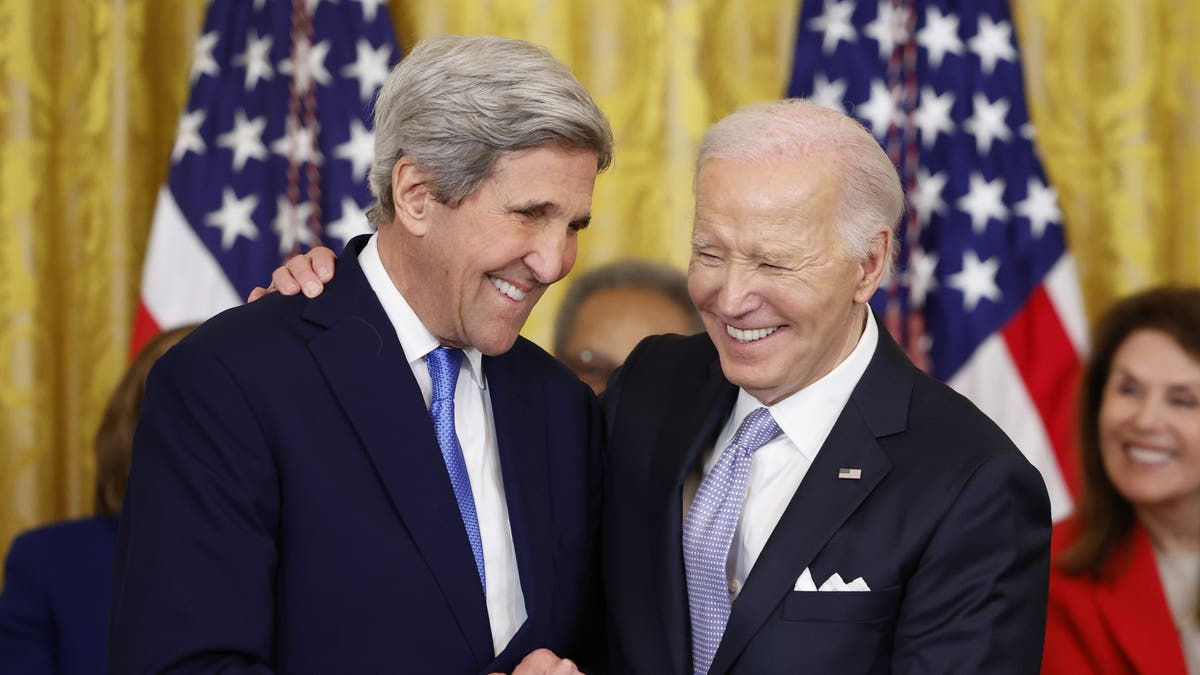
(806,418)
(477,435)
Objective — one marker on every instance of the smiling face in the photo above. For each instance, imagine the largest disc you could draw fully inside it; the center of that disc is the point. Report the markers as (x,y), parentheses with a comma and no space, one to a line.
(472,273)
(1150,423)
(780,299)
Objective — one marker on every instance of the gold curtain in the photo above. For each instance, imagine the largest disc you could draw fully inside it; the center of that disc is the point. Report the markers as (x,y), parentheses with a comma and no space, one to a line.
(90,91)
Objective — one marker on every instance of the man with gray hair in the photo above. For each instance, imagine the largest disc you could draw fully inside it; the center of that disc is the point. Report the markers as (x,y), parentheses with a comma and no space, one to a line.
(788,493)
(387,478)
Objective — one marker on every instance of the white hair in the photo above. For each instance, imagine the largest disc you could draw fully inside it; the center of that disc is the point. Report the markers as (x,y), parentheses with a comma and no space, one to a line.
(796,130)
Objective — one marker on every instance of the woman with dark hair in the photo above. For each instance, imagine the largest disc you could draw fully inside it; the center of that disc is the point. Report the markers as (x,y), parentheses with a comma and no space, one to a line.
(57,578)
(1125,582)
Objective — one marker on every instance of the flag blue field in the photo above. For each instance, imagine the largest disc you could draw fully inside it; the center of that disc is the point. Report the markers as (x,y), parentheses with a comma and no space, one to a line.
(271,153)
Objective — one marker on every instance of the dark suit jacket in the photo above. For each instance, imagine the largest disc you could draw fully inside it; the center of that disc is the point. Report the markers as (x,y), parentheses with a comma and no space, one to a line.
(54,606)
(1119,624)
(949,526)
(289,510)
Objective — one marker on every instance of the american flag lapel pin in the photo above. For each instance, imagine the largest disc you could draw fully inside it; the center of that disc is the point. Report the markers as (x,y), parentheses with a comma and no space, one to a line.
(850,474)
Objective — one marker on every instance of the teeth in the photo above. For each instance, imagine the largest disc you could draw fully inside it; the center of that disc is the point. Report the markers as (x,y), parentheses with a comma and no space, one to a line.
(749,335)
(507,289)
(1147,456)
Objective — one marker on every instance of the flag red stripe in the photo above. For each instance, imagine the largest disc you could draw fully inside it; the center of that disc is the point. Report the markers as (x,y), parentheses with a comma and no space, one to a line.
(1050,366)
(144,328)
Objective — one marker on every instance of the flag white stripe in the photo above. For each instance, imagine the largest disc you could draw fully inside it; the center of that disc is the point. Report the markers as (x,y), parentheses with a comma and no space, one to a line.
(1062,285)
(181,280)
(991,380)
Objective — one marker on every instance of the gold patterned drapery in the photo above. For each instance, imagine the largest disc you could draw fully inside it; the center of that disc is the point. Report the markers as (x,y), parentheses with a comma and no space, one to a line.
(90,92)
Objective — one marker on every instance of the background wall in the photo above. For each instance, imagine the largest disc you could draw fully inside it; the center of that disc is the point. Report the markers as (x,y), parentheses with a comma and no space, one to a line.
(91,90)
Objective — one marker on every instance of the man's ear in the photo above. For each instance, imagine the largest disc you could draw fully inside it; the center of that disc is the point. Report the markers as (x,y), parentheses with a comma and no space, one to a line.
(874,266)
(411,196)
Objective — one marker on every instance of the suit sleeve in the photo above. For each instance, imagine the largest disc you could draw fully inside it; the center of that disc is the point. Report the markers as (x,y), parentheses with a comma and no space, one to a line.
(27,630)
(196,553)
(977,601)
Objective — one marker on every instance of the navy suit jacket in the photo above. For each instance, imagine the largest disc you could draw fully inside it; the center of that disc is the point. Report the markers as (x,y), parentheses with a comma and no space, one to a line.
(289,511)
(949,525)
(54,607)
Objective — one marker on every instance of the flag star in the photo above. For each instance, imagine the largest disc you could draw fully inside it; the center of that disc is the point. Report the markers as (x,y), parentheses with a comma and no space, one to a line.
(370,8)
(1040,206)
(308,63)
(829,94)
(244,139)
(370,67)
(986,122)
(203,62)
(291,225)
(939,36)
(298,144)
(921,277)
(256,59)
(926,195)
(889,28)
(933,115)
(1027,132)
(835,24)
(880,110)
(976,280)
(188,137)
(360,149)
(352,223)
(259,4)
(993,43)
(984,200)
(234,217)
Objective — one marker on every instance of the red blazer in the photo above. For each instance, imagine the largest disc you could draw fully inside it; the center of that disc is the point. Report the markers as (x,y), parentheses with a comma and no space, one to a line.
(1120,624)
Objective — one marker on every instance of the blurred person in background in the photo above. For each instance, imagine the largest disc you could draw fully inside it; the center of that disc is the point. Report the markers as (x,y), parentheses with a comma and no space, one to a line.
(1125,582)
(58,578)
(609,309)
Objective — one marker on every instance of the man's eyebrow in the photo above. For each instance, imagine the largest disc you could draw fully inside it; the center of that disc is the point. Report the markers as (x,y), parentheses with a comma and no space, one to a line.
(533,207)
(582,222)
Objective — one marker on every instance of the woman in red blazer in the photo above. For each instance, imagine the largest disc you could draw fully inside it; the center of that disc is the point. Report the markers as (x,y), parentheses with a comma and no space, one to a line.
(1125,583)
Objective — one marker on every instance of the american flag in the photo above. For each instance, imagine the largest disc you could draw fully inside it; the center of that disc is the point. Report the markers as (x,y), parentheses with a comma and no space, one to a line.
(986,297)
(272,151)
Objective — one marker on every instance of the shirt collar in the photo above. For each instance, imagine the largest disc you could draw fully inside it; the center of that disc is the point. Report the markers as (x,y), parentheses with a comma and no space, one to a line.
(806,416)
(415,338)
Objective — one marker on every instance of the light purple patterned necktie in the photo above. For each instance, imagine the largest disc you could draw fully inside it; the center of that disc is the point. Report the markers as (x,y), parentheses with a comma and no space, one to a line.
(443,370)
(708,532)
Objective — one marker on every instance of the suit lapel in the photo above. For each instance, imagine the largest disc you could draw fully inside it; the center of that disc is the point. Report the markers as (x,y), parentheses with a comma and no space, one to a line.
(368,373)
(822,503)
(521,440)
(1136,611)
(688,428)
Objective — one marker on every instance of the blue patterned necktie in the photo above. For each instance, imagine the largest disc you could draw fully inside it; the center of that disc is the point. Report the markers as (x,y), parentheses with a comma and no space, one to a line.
(443,369)
(708,532)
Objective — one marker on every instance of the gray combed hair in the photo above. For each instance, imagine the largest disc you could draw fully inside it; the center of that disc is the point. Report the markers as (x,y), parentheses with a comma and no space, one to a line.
(796,130)
(455,104)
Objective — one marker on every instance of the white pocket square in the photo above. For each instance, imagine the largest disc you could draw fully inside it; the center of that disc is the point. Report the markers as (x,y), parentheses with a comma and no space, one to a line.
(833,583)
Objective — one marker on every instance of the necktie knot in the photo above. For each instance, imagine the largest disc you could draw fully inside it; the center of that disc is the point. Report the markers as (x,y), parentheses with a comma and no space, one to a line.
(444,364)
(758,429)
